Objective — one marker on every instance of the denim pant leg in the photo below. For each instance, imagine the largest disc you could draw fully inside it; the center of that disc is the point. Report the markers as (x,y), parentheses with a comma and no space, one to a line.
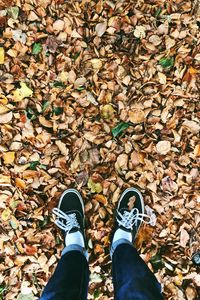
(70,279)
(132,279)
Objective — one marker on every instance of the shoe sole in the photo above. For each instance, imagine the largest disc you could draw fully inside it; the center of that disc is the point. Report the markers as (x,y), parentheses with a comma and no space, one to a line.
(141,200)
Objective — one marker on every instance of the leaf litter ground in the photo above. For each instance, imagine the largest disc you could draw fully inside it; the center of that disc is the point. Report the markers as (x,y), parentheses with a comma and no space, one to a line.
(101,96)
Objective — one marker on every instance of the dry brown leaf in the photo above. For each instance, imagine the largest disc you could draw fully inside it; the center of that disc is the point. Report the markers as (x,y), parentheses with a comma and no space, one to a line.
(197,150)
(140,32)
(163,147)
(100,28)
(62,147)
(6,118)
(184,238)
(192,126)
(58,25)
(136,116)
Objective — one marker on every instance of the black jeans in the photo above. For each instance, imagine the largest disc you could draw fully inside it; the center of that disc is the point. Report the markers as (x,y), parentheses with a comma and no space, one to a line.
(132,279)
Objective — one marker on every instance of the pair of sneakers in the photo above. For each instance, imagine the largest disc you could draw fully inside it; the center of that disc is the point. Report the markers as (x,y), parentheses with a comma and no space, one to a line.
(128,218)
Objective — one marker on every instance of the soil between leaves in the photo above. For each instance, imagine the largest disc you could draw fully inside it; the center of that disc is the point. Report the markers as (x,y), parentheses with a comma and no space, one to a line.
(101,96)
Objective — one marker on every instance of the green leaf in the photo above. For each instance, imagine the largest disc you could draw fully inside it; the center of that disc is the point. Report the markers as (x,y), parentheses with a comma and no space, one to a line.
(58,110)
(14,12)
(31,114)
(45,105)
(158,12)
(157,262)
(96,294)
(120,128)
(80,88)
(76,55)
(34,164)
(166,62)
(37,48)
(44,222)
(59,84)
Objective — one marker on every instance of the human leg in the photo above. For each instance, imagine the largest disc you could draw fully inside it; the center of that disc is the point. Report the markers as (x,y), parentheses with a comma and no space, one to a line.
(132,278)
(71,277)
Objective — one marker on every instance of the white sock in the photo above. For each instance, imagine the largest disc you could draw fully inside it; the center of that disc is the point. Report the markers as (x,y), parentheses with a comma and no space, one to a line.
(74,238)
(122,234)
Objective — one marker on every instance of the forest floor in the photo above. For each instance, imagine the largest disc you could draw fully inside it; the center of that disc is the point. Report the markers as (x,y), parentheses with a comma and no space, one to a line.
(100,96)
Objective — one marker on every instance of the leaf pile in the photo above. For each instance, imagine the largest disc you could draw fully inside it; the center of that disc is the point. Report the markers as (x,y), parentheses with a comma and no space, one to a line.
(101,96)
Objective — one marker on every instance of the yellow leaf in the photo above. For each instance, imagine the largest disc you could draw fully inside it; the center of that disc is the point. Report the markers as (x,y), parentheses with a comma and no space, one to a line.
(3,100)
(5,179)
(107,111)
(2,55)
(9,157)
(94,187)
(21,93)
(6,214)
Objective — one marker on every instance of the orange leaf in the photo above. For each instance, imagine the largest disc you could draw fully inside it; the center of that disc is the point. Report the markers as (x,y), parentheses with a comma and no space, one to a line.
(30,249)
(20,183)
(193,70)
(100,198)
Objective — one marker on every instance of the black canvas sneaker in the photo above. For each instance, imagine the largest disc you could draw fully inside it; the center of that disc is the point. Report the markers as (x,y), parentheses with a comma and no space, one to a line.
(129,216)
(70,216)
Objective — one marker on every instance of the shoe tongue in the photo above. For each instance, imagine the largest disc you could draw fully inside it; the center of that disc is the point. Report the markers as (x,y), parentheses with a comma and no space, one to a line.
(123,209)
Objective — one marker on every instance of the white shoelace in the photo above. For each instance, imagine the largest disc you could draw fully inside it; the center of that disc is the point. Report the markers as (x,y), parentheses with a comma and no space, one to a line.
(129,219)
(62,218)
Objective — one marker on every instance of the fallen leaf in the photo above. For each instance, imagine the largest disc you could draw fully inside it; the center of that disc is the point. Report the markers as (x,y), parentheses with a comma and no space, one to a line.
(6,118)
(197,150)
(136,116)
(100,28)
(166,62)
(101,198)
(62,147)
(155,40)
(6,214)
(21,93)
(122,161)
(2,55)
(3,99)
(140,32)
(9,157)
(184,238)
(163,147)
(19,36)
(58,25)
(192,126)
(20,183)
(119,128)
(162,78)
(107,112)
(37,48)
(14,12)
(5,179)
(96,63)
(94,187)
(169,185)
